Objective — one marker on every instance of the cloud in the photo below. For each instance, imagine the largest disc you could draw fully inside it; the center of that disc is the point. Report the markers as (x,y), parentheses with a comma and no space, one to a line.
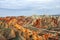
(16,7)
(20,4)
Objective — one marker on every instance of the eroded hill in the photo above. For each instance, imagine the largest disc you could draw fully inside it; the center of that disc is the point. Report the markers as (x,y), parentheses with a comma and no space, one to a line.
(30,28)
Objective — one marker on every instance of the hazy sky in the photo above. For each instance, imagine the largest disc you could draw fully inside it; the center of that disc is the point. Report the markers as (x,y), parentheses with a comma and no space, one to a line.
(29,7)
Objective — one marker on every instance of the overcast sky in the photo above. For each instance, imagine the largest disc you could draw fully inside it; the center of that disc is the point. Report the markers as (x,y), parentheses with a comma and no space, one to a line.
(29,7)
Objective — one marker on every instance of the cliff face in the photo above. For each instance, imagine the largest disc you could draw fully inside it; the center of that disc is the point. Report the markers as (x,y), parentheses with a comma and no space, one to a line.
(30,28)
